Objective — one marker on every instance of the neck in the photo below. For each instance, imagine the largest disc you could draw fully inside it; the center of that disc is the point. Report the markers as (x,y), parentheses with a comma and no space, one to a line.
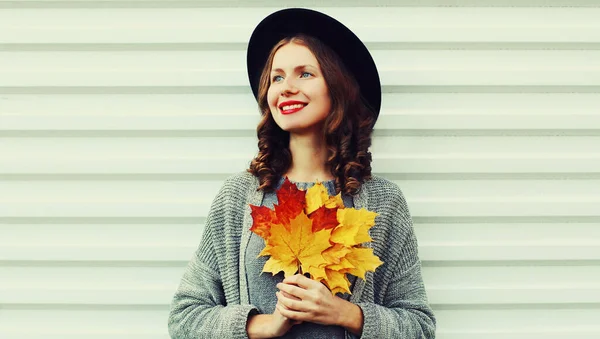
(309,155)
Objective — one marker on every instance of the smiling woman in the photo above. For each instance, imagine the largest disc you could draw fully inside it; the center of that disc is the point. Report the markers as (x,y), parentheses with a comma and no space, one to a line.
(319,94)
(298,86)
(333,122)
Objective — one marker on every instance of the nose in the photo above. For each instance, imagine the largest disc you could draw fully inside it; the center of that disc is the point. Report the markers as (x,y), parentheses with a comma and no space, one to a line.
(288,87)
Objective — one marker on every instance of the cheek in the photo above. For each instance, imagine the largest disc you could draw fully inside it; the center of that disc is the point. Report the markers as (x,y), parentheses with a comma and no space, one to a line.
(322,93)
(325,99)
(271,97)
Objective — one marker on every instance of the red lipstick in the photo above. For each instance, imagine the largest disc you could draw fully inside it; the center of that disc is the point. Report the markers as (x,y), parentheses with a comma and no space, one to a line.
(291,103)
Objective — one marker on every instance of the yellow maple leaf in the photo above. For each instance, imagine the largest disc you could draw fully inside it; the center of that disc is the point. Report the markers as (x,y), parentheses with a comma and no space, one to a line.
(337,282)
(339,290)
(296,247)
(335,253)
(266,251)
(335,201)
(317,273)
(275,266)
(316,197)
(342,265)
(354,226)
(363,260)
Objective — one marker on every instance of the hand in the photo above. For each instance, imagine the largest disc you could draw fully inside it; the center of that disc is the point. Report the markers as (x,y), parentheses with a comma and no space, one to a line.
(262,326)
(280,325)
(312,301)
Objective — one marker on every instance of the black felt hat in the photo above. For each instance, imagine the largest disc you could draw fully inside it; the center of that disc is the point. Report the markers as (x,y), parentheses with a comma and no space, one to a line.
(343,41)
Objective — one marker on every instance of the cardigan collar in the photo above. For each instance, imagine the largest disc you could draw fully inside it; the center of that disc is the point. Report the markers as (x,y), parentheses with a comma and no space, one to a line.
(255,197)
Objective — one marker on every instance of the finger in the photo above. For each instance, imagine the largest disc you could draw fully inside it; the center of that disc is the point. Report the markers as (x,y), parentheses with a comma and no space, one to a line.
(301,281)
(296,291)
(315,292)
(299,317)
(287,295)
(281,305)
(291,304)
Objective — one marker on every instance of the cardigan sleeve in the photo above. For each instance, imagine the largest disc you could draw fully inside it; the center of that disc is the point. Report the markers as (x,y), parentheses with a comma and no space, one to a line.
(199,308)
(403,310)
(405,315)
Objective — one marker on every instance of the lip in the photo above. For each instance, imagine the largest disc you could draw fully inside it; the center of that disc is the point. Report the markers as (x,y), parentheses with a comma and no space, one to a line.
(291,102)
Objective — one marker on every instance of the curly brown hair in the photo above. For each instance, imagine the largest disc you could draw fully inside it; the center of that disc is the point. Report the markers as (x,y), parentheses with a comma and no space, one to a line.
(347,128)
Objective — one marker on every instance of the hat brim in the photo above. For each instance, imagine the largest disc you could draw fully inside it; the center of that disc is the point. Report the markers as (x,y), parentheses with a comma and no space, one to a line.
(288,22)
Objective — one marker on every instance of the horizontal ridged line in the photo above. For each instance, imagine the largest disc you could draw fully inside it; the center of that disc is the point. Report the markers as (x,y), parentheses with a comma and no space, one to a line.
(101,220)
(250,132)
(127,90)
(495,307)
(298,3)
(490,176)
(506,220)
(127,133)
(490,89)
(182,263)
(164,46)
(200,220)
(509,263)
(86,307)
(165,306)
(223,176)
(246,89)
(92,263)
(116,177)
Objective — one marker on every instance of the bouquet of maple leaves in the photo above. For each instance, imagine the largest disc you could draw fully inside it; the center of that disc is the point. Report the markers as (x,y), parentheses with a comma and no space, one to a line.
(312,232)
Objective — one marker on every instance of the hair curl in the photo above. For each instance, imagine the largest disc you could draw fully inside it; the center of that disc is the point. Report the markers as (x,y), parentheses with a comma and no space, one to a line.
(347,128)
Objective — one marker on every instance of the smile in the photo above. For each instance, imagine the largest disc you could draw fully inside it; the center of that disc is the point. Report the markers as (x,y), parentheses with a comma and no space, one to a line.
(291,107)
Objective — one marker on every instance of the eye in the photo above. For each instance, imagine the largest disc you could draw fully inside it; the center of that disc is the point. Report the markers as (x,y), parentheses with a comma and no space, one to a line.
(277,78)
(306,75)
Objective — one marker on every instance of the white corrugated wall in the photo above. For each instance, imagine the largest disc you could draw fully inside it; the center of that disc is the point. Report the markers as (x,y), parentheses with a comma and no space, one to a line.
(119,120)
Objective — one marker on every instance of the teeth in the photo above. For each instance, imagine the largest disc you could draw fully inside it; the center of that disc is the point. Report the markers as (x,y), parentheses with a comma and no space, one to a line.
(289,107)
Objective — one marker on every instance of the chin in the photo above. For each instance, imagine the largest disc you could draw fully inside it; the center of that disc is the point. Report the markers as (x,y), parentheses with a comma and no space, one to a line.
(291,129)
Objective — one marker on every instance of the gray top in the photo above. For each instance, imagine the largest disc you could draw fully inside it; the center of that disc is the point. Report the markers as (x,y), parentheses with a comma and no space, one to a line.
(212,300)
(262,286)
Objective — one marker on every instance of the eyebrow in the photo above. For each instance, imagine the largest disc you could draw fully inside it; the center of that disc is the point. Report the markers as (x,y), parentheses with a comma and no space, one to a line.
(299,67)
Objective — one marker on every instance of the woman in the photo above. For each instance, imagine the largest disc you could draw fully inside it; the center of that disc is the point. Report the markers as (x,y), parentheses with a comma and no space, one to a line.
(319,93)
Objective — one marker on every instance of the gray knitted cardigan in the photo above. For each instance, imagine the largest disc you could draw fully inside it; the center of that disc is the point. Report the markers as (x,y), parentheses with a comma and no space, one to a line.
(212,298)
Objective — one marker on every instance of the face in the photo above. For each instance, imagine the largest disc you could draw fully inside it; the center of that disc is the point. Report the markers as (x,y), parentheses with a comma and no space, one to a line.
(298,96)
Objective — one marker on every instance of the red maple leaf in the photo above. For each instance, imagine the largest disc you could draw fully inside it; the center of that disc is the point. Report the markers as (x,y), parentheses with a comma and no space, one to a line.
(263,217)
(324,218)
(290,202)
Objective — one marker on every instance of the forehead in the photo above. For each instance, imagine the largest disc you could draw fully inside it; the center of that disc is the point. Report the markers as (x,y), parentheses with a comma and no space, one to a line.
(292,55)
